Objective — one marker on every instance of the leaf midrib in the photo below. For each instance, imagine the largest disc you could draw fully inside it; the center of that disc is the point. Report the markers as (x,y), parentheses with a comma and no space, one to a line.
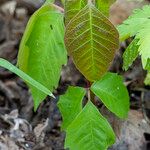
(91,29)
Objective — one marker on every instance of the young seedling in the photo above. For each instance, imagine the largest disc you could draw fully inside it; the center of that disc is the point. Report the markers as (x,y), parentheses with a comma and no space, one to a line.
(91,40)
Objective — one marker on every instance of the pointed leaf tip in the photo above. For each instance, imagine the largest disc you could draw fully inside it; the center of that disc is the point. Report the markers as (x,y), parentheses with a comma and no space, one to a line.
(91,40)
(90,130)
(70,104)
(113,93)
(4,63)
(42,50)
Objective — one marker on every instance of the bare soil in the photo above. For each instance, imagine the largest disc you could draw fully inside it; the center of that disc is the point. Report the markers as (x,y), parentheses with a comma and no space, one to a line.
(23,129)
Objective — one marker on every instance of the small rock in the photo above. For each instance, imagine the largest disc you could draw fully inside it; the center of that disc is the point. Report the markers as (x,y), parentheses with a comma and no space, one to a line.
(21,13)
(9,7)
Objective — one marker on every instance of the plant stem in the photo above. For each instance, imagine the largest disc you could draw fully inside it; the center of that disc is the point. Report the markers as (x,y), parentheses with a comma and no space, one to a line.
(91,95)
(59,8)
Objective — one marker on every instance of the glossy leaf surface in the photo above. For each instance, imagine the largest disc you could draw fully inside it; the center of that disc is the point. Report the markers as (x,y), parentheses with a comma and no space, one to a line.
(70,105)
(89,131)
(4,63)
(130,54)
(72,7)
(42,52)
(113,93)
(91,40)
(104,5)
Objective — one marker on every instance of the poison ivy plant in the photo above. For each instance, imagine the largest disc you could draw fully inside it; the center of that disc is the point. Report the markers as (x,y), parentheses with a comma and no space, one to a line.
(104,6)
(90,130)
(70,105)
(91,40)
(110,89)
(42,52)
(72,7)
(85,127)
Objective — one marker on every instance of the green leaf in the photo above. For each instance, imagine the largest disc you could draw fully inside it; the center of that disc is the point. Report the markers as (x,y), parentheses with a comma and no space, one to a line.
(147,67)
(49,1)
(104,6)
(91,40)
(4,63)
(138,25)
(70,105)
(130,54)
(63,2)
(89,131)
(134,23)
(147,79)
(42,52)
(72,7)
(113,93)
(144,45)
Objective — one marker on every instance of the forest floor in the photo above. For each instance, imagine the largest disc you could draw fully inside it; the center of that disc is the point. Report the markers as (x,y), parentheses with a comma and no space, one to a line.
(23,129)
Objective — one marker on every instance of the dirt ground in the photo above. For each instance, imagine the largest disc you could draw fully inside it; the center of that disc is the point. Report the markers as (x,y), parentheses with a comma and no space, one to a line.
(23,129)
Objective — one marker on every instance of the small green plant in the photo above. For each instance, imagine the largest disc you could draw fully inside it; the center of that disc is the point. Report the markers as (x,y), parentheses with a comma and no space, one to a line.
(91,40)
(137,26)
